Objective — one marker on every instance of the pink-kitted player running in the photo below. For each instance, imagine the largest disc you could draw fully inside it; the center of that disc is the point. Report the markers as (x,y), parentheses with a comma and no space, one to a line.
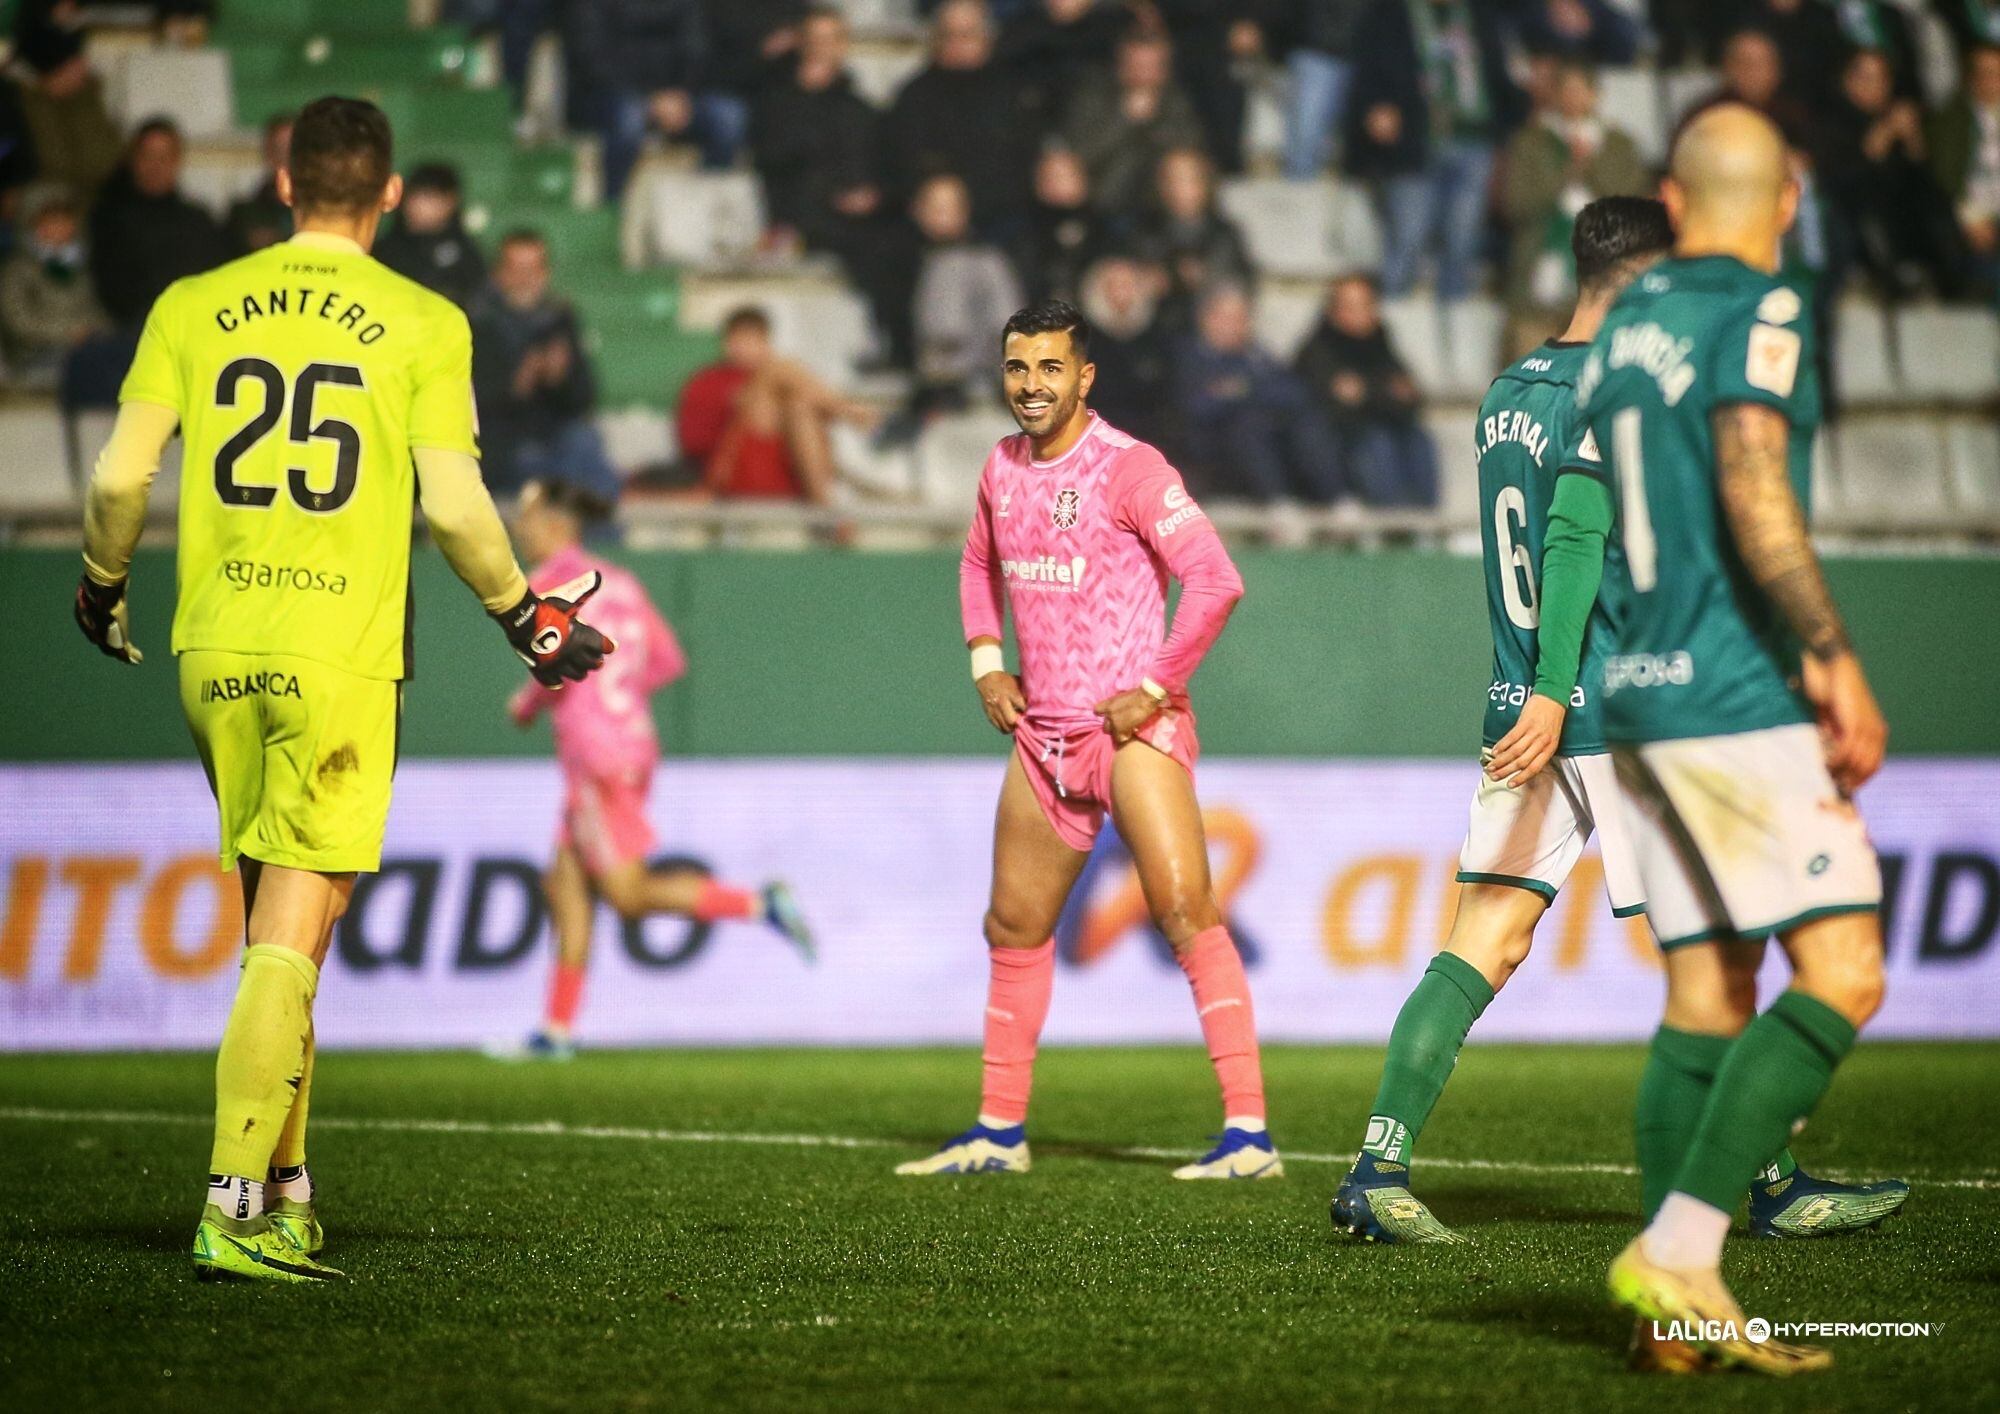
(608,746)
(1077,530)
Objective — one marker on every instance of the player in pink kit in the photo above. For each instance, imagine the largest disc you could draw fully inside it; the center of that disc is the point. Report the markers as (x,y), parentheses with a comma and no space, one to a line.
(1077,529)
(608,747)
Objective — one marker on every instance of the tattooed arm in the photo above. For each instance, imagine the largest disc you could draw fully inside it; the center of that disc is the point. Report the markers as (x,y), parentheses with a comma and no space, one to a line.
(1752,444)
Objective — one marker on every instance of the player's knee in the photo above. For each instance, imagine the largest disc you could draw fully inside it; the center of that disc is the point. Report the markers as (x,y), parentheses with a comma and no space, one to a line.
(1181,920)
(624,896)
(1852,985)
(1010,931)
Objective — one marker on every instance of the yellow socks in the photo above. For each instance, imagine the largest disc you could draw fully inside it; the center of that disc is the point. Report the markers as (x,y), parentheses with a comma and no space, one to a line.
(291,1150)
(264,1052)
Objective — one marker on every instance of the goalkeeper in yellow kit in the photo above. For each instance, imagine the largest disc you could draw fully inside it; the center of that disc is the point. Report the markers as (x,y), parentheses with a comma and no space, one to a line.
(318,396)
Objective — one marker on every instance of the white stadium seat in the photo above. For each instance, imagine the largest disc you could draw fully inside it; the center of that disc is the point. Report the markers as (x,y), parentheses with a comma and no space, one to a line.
(1264,117)
(190,86)
(1863,370)
(879,73)
(1972,454)
(1458,468)
(1415,332)
(1891,475)
(700,218)
(1357,229)
(823,325)
(952,451)
(1952,354)
(1631,100)
(1286,314)
(636,437)
(1471,347)
(37,476)
(1287,225)
(1682,89)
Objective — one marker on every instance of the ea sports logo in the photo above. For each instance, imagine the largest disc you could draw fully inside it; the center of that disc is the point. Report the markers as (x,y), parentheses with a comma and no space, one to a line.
(547,641)
(1063,515)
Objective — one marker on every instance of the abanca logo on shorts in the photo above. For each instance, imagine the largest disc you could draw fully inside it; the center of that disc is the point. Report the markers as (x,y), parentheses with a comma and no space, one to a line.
(1046,572)
(1674,669)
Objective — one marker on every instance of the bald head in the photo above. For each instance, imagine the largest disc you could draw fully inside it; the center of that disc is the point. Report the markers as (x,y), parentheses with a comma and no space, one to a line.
(1729,183)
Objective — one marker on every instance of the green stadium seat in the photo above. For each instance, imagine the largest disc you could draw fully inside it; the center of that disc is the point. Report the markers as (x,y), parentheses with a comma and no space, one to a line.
(580,238)
(502,176)
(367,60)
(610,298)
(646,367)
(242,18)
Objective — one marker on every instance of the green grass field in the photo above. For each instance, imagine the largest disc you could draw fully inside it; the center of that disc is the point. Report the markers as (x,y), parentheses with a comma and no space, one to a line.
(685,1230)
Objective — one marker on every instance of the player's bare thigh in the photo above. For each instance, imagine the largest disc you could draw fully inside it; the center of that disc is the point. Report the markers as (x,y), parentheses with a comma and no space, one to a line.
(1158,817)
(1494,928)
(1712,987)
(1838,960)
(571,904)
(293,908)
(1033,870)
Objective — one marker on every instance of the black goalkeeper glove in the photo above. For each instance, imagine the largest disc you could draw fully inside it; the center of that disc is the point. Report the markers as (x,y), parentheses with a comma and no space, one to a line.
(556,645)
(100,613)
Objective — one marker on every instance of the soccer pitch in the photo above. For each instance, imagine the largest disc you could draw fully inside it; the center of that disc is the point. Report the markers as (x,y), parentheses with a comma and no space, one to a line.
(708,1229)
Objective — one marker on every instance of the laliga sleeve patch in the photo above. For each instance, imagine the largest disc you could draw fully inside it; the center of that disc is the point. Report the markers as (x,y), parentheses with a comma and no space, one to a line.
(1780,306)
(1586,450)
(1773,360)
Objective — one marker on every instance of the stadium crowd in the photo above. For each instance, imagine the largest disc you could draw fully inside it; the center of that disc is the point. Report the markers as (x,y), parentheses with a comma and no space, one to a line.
(1059,147)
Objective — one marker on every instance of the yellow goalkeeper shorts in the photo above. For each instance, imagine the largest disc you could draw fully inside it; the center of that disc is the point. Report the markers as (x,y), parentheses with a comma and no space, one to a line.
(299,755)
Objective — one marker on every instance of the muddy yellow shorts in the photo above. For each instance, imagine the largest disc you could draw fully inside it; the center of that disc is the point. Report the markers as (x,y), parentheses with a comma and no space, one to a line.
(299,754)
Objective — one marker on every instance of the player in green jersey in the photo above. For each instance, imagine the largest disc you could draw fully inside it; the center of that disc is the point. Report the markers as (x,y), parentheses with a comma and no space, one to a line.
(1528,826)
(1738,714)
(317,395)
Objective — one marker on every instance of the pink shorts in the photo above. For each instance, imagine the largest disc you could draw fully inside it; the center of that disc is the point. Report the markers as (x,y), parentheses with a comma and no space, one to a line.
(604,817)
(1071,771)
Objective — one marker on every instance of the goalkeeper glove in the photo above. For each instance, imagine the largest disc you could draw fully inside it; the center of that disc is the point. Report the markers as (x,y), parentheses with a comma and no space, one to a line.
(556,645)
(100,613)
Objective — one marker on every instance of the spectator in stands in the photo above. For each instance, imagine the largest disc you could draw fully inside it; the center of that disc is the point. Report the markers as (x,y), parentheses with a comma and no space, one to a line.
(1062,233)
(75,141)
(636,66)
(47,308)
(965,291)
(1563,159)
(750,43)
(1972,23)
(1123,122)
(429,242)
(1320,65)
(1214,42)
(1348,363)
(1593,31)
(1248,429)
(1885,29)
(1431,100)
(966,115)
(1753,73)
(1187,239)
(1134,387)
(533,379)
(1888,210)
(144,234)
(757,424)
(260,219)
(17,152)
(1054,46)
(817,145)
(1965,158)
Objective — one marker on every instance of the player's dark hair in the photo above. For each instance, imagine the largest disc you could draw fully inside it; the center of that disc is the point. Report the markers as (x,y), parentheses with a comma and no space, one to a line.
(1615,232)
(571,499)
(154,127)
(341,156)
(746,316)
(1051,316)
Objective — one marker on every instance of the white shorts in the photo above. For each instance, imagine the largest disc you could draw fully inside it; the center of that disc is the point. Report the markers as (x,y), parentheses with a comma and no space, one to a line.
(1531,835)
(1744,835)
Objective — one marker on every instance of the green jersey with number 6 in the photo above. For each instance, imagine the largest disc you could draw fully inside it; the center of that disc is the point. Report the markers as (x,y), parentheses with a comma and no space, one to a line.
(1527,435)
(304,375)
(1700,650)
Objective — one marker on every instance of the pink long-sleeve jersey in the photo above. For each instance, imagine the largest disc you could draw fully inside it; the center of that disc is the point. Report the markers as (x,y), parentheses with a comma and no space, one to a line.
(604,724)
(1081,547)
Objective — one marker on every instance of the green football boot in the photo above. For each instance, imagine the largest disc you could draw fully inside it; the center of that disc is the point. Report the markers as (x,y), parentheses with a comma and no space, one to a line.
(298,1223)
(1374,1203)
(1800,1205)
(252,1248)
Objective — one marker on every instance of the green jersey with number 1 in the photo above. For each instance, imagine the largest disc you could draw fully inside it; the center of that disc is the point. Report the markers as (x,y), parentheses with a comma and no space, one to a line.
(1527,435)
(303,376)
(1700,651)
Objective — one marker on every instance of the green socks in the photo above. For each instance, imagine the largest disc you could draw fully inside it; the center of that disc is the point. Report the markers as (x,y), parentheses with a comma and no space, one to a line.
(1768,1083)
(1673,1091)
(263,1054)
(1423,1047)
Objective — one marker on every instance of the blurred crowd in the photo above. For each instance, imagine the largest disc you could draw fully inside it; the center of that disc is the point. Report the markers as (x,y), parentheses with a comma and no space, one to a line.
(1071,148)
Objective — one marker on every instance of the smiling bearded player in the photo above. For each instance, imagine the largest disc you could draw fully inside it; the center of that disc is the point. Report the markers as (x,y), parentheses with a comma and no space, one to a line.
(1077,529)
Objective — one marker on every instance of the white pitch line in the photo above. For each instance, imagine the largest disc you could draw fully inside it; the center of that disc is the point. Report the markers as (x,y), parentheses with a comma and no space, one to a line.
(557,1129)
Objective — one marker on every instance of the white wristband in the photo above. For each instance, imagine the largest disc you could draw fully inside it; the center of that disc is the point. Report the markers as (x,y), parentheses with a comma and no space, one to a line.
(1153,690)
(987,658)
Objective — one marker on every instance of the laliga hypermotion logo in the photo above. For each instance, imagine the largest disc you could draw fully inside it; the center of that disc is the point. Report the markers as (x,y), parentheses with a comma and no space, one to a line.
(1108,903)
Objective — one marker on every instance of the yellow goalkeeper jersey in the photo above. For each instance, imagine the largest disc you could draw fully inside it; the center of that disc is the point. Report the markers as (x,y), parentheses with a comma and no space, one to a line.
(303,375)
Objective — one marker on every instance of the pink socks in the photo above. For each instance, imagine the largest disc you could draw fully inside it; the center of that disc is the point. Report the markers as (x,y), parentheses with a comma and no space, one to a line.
(716,901)
(1222,999)
(565,994)
(1017,1003)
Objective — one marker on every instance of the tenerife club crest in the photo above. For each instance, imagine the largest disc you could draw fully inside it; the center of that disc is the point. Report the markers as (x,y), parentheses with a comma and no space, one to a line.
(1063,513)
